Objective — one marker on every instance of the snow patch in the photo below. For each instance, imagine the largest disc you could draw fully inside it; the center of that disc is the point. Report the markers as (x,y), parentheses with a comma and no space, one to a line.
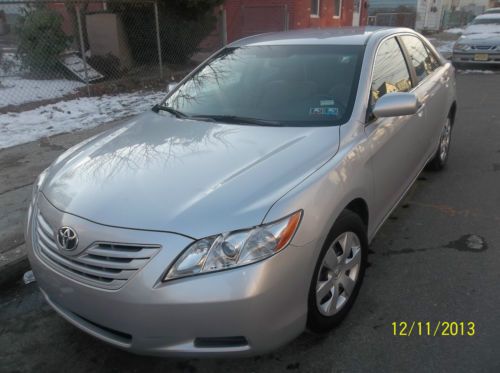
(17,90)
(67,116)
(10,65)
(476,71)
(455,30)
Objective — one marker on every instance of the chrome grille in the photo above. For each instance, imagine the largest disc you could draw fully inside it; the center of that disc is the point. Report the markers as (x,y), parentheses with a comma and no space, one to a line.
(105,265)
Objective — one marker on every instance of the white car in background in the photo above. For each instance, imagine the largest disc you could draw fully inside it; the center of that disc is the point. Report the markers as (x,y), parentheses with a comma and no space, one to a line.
(492,11)
(480,42)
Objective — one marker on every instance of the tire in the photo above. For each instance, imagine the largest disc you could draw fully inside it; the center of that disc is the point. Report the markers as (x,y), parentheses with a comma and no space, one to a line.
(438,162)
(334,288)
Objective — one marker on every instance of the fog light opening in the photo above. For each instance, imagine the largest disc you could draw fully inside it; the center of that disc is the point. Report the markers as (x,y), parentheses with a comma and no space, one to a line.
(220,342)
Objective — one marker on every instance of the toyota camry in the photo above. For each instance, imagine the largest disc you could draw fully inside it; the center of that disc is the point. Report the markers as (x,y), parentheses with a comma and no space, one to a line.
(238,211)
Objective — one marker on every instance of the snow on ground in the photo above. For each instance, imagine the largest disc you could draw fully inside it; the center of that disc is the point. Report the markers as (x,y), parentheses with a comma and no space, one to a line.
(10,65)
(16,90)
(455,30)
(476,71)
(67,116)
(445,47)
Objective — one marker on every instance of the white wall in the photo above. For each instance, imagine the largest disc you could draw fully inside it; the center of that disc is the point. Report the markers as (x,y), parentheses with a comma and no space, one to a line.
(429,15)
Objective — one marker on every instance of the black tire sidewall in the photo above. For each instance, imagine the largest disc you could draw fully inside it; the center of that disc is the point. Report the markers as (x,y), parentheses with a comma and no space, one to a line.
(348,221)
(436,163)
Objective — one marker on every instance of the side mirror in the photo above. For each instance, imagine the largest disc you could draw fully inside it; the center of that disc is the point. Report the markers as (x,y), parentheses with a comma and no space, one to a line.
(396,104)
(172,85)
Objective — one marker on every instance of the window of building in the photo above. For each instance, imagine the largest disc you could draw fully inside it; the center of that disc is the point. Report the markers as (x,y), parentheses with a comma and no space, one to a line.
(337,8)
(315,8)
(390,72)
(423,61)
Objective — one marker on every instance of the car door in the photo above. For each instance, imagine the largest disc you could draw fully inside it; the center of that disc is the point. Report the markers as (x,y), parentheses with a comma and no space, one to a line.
(395,150)
(431,80)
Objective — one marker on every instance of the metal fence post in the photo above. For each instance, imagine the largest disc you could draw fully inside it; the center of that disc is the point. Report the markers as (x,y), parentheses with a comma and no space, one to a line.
(158,41)
(82,46)
(224,27)
(287,18)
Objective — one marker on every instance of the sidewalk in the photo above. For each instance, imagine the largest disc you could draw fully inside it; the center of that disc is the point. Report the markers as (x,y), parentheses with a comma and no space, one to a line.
(19,167)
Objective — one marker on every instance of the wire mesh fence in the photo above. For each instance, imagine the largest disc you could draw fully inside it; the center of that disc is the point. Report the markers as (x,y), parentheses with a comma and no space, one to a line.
(54,50)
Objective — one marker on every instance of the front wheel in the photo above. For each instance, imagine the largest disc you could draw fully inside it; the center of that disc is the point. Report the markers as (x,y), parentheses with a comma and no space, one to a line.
(338,273)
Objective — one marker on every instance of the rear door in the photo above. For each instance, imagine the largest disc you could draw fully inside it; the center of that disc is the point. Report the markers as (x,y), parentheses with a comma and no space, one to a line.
(431,80)
(395,148)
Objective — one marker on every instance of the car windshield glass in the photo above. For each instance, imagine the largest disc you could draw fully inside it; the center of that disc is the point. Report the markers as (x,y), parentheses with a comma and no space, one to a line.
(486,21)
(299,85)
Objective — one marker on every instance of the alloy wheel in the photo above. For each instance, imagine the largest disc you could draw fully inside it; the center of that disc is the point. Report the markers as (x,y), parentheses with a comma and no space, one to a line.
(444,144)
(338,274)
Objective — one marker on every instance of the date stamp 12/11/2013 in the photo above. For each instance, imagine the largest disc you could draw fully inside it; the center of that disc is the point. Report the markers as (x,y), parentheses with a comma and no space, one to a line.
(433,329)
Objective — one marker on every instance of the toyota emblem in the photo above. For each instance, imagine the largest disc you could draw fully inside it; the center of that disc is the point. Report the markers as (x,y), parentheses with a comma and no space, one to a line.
(67,238)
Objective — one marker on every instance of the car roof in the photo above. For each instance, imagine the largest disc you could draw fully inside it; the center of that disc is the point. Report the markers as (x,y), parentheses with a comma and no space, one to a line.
(491,10)
(319,36)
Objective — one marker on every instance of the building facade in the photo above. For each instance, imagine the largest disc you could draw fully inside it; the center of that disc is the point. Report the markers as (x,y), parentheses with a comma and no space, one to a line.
(250,17)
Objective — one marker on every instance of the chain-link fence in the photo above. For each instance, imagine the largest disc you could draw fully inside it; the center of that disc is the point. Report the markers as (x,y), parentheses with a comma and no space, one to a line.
(393,19)
(53,50)
(456,18)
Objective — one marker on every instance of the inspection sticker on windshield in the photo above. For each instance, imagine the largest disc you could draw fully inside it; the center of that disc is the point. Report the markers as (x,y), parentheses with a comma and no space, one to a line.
(329,111)
(327,102)
(332,111)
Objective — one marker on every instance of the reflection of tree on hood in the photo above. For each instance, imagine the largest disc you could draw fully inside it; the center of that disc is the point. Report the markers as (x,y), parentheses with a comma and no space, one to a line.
(124,152)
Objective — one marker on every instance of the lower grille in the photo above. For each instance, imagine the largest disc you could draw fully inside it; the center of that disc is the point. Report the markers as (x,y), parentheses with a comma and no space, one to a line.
(105,265)
(220,342)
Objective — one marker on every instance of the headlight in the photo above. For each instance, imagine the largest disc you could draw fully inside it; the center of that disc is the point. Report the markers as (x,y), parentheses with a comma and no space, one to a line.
(461,47)
(234,249)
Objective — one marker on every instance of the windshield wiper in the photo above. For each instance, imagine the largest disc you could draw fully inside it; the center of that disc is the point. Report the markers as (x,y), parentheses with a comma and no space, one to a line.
(234,119)
(179,114)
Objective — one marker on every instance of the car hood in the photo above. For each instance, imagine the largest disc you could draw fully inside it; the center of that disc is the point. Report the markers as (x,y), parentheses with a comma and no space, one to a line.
(195,178)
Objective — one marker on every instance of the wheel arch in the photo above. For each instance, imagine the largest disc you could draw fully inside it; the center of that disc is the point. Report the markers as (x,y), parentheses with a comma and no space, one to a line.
(453,111)
(359,207)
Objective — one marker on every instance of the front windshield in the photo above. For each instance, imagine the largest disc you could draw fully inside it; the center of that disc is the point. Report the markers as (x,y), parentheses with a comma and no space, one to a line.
(292,85)
(486,21)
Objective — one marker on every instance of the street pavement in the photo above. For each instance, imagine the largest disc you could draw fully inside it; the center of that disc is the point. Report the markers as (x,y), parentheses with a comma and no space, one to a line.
(436,259)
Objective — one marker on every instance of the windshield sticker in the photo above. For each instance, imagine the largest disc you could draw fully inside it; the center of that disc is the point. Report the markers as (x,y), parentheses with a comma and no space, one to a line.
(316,111)
(327,103)
(330,111)
(334,111)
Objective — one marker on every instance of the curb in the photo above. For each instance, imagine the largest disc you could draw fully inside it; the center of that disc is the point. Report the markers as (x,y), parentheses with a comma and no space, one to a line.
(13,264)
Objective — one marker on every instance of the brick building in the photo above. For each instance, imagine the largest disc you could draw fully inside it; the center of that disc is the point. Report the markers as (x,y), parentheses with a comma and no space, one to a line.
(248,17)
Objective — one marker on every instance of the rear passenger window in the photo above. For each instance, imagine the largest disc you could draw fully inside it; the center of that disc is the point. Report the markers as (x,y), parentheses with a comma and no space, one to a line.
(422,60)
(390,73)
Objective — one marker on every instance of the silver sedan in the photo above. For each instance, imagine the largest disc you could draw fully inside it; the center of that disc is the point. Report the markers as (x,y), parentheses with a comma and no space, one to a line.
(238,212)
(480,43)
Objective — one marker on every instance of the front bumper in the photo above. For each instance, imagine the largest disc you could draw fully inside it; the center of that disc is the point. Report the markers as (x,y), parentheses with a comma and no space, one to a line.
(244,311)
(468,58)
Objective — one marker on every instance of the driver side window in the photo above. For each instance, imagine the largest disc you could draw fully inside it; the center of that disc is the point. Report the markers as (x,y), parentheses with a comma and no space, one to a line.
(390,72)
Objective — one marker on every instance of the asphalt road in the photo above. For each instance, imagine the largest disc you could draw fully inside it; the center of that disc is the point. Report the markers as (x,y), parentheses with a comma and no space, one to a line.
(436,259)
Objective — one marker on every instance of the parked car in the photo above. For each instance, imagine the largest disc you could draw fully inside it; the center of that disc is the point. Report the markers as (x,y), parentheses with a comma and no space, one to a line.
(480,43)
(492,11)
(239,211)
